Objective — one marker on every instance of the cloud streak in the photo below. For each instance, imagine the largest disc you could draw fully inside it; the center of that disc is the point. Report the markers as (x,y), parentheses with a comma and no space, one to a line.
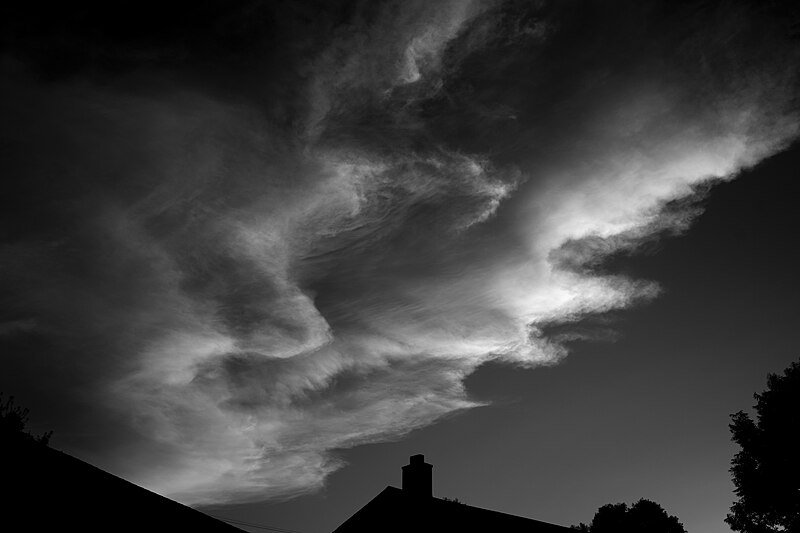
(248,277)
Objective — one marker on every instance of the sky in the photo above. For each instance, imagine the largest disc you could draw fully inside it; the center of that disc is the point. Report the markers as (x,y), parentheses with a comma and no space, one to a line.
(256,254)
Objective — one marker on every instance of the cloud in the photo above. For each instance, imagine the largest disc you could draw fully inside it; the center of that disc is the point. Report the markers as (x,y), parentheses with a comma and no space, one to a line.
(249,278)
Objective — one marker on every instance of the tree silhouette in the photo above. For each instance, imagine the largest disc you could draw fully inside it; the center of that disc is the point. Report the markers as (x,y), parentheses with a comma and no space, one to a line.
(14,420)
(766,471)
(642,516)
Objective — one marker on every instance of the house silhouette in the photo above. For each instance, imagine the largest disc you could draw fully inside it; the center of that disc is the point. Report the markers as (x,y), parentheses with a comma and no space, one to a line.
(46,490)
(414,509)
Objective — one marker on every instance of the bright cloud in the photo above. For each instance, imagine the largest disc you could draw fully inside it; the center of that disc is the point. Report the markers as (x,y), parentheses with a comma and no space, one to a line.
(249,292)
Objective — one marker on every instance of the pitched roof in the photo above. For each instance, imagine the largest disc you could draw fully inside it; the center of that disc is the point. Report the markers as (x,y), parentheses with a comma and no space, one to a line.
(395,510)
(48,490)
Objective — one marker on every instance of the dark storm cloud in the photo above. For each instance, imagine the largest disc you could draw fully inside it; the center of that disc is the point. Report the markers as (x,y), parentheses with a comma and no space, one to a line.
(256,233)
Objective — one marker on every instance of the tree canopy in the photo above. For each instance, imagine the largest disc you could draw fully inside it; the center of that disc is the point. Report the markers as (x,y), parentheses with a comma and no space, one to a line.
(644,515)
(766,471)
(14,421)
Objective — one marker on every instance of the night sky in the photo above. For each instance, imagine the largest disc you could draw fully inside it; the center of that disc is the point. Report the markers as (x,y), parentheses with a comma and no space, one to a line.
(253,254)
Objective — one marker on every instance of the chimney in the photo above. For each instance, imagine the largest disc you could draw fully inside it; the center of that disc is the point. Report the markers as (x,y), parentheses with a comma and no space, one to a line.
(418,477)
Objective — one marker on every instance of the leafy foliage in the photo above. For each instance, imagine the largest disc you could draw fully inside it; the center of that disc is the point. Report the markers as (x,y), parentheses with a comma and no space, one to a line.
(14,420)
(644,515)
(766,471)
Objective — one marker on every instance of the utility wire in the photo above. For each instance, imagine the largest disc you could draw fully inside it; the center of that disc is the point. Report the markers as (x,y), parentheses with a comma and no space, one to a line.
(250,524)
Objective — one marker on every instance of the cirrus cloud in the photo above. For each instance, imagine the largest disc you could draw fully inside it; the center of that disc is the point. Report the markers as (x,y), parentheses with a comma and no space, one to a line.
(250,278)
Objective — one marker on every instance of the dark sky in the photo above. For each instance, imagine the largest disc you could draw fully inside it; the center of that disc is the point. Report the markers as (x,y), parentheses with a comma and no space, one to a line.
(644,416)
(254,251)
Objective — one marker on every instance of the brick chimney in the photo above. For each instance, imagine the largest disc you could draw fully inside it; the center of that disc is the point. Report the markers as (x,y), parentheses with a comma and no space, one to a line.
(418,477)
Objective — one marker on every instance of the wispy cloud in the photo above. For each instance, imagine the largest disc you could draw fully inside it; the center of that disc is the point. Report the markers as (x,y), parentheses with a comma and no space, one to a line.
(250,285)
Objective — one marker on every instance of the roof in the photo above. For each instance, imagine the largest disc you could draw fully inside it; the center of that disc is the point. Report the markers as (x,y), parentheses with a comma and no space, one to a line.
(48,490)
(395,510)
